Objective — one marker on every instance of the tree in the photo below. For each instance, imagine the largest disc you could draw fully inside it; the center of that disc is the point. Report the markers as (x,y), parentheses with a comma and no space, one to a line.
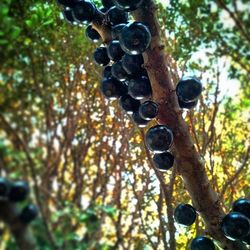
(87,161)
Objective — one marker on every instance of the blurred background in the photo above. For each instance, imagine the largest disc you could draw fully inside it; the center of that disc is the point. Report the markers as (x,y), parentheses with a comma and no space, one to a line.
(85,160)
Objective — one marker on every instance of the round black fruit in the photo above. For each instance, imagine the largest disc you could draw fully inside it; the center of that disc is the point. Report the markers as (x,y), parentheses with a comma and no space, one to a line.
(140,122)
(246,239)
(92,34)
(116,30)
(28,214)
(132,64)
(101,56)
(159,138)
(19,191)
(107,72)
(188,89)
(242,206)
(4,188)
(163,161)
(187,105)
(107,3)
(115,51)
(202,243)
(139,87)
(129,104)
(148,110)
(235,226)
(68,15)
(135,38)
(185,214)
(116,16)
(67,3)
(84,11)
(128,5)
(112,88)
(118,72)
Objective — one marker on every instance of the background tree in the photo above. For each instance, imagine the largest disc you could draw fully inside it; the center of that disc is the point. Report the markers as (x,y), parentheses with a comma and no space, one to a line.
(91,175)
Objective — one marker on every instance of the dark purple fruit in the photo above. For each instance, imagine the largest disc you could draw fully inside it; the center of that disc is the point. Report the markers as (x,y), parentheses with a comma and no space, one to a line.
(185,214)
(28,214)
(148,110)
(159,138)
(19,191)
(133,64)
(68,16)
(202,243)
(139,87)
(118,72)
(107,72)
(116,16)
(129,104)
(112,88)
(163,161)
(246,239)
(235,226)
(101,56)
(92,34)
(242,206)
(187,105)
(84,11)
(140,122)
(103,9)
(115,51)
(116,30)
(67,3)
(188,89)
(135,38)
(4,188)
(128,5)
(107,3)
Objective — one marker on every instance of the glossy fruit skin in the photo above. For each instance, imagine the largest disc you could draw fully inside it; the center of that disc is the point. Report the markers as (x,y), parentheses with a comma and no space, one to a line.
(67,3)
(185,214)
(128,5)
(107,3)
(159,139)
(118,72)
(112,88)
(101,56)
(140,122)
(133,64)
(135,38)
(19,191)
(235,226)
(68,16)
(84,11)
(189,89)
(242,205)
(28,214)
(129,104)
(116,16)
(246,239)
(202,243)
(139,87)
(148,110)
(4,188)
(115,51)
(163,161)
(116,30)
(107,72)
(187,105)
(92,34)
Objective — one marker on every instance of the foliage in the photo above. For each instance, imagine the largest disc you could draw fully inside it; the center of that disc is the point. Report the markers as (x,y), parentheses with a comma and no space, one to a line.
(85,159)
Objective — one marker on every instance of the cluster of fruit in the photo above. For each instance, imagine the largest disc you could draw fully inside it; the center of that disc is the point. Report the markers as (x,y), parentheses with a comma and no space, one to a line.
(18,191)
(235,225)
(124,76)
